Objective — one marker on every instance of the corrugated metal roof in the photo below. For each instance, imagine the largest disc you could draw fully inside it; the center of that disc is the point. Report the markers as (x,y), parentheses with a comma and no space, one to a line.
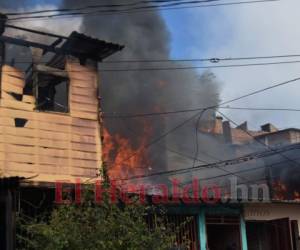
(86,47)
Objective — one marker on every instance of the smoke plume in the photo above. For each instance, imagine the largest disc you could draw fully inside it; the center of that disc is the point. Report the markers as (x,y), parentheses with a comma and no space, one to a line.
(145,36)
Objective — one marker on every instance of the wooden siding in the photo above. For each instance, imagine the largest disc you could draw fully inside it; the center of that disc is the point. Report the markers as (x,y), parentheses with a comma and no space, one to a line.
(51,146)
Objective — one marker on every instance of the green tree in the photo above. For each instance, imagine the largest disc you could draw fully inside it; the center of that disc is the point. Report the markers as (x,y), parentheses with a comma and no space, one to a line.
(89,226)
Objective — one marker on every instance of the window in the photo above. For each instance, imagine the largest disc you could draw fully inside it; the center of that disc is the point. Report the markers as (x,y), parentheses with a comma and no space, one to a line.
(52,92)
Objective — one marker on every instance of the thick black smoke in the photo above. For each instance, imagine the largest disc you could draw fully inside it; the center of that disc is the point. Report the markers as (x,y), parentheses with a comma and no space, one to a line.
(145,36)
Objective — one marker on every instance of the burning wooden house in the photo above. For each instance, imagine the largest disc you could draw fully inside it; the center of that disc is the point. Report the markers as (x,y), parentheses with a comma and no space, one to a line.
(50,130)
(49,113)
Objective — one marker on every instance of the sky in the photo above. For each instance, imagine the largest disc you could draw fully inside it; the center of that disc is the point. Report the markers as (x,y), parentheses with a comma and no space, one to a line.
(241,31)
(260,29)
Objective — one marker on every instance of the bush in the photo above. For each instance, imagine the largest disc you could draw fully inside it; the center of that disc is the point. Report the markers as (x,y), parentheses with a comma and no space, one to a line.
(89,226)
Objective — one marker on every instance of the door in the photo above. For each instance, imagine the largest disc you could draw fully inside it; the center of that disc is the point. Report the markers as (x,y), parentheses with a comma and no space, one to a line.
(280,236)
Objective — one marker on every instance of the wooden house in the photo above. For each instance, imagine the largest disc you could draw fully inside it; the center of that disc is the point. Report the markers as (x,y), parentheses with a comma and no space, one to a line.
(50,127)
(49,116)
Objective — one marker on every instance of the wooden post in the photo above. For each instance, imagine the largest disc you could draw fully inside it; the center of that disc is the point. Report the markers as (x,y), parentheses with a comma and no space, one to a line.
(2,220)
(202,229)
(243,233)
(8,229)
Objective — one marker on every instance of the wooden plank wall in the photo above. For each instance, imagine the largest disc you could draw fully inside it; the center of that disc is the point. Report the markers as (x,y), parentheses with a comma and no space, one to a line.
(52,146)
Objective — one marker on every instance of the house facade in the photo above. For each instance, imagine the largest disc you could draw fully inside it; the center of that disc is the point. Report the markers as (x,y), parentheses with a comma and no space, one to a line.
(273,224)
(50,127)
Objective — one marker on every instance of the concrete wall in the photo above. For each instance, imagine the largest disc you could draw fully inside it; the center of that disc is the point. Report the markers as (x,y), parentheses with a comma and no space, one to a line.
(265,212)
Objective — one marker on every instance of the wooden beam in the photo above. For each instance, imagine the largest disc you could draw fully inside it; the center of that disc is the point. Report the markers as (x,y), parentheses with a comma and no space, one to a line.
(44,47)
(51,71)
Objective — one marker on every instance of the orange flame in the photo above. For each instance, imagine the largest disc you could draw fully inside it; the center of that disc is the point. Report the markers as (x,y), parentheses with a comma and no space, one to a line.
(125,158)
(297,196)
(280,190)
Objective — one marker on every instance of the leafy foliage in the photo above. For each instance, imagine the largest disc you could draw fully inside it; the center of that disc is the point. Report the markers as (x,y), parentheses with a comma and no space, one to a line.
(89,226)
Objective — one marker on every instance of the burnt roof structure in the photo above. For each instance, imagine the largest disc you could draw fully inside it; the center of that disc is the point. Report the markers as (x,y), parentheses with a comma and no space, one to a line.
(77,45)
(85,47)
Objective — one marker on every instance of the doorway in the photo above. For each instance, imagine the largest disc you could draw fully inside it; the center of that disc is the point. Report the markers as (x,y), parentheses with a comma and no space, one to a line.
(279,234)
(223,233)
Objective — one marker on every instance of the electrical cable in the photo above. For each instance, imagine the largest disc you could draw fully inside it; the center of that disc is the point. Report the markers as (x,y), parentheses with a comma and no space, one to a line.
(201,167)
(196,136)
(105,13)
(25,13)
(211,60)
(115,115)
(212,107)
(257,140)
(104,70)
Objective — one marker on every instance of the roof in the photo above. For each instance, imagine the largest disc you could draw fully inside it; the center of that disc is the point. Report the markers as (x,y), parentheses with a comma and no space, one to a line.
(86,47)
(239,136)
(278,132)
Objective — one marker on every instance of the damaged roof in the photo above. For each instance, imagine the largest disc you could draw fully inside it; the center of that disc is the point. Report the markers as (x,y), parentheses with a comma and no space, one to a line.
(85,47)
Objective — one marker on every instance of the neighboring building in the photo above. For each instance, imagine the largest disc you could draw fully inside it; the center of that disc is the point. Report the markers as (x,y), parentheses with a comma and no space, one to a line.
(277,138)
(274,225)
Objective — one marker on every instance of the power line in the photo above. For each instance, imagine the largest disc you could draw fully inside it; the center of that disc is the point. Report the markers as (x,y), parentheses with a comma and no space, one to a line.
(159,138)
(233,161)
(260,91)
(165,147)
(211,59)
(261,109)
(196,136)
(197,149)
(212,107)
(37,32)
(191,67)
(271,166)
(105,6)
(200,67)
(179,68)
(114,115)
(195,158)
(105,13)
(259,141)
(104,70)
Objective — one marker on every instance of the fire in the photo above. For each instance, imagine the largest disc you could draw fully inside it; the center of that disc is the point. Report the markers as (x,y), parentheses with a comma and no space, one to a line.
(125,158)
(280,190)
(297,196)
